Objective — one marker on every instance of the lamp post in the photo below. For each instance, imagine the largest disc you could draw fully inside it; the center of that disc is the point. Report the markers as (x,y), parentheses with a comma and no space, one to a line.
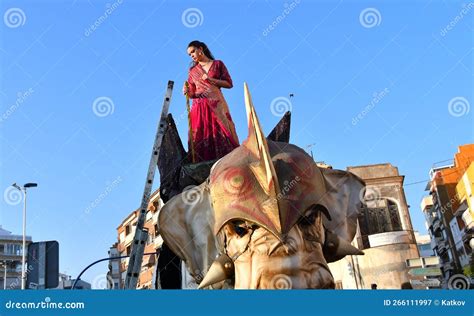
(23,259)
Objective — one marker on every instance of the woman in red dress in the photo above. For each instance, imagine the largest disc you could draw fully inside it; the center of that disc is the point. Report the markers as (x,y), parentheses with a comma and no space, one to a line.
(213,132)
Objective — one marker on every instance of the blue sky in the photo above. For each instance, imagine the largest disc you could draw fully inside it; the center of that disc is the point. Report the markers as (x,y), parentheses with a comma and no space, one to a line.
(373,82)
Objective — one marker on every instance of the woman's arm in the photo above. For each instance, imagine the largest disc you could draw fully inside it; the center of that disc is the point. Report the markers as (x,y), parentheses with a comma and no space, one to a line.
(223,79)
(220,83)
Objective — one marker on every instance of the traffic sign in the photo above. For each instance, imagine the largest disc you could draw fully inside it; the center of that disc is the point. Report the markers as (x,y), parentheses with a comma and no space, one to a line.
(425,271)
(426,282)
(43,265)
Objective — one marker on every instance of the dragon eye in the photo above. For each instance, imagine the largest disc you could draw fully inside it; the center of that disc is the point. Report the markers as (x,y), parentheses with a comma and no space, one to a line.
(308,218)
(240,228)
(241,231)
(311,214)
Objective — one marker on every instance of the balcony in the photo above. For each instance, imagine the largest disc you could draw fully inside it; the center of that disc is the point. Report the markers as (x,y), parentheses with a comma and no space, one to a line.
(448,266)
(461,209)
(129,238)
(466,237)
(467,218)
(431,261)
(436,224)
(10,256)
(442,248)
(443,243)
(430,220)
(15,272)
(440,166)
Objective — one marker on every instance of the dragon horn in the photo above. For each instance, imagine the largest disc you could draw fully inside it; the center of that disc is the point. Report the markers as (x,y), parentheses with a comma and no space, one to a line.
(221,269)
(336,247)
(263,169)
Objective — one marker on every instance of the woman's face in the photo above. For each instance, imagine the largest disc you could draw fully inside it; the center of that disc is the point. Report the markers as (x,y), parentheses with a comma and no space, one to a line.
(195,53)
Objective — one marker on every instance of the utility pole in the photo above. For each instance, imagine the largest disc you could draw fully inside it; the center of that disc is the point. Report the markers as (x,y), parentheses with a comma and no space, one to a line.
(23,260)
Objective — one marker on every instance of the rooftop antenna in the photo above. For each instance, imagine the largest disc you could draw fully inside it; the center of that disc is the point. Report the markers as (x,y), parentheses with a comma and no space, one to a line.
(309,147)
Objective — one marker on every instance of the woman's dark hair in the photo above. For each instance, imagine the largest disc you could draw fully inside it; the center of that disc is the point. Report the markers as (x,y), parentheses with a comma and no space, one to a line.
(205,50)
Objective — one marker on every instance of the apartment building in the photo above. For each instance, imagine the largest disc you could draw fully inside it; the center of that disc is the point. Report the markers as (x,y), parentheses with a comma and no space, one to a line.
(114,275)
(464,215)
(444,217)
(126,232)
(11,251)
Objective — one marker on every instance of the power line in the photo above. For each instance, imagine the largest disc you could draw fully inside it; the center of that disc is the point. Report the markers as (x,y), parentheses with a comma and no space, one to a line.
(424,181)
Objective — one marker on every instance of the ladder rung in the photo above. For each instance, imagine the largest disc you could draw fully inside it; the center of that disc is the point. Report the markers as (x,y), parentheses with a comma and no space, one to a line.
(141,235)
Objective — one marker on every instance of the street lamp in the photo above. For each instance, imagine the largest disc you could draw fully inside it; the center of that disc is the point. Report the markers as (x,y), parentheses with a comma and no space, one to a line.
(23,259)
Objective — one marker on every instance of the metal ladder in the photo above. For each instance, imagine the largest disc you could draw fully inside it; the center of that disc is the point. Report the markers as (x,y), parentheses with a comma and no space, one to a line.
(141,234)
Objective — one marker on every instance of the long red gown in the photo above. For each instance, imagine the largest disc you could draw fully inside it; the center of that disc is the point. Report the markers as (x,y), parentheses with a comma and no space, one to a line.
(213,132)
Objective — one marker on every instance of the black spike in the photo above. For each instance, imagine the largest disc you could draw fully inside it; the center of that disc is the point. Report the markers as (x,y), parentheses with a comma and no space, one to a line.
(281,132)
(172,157)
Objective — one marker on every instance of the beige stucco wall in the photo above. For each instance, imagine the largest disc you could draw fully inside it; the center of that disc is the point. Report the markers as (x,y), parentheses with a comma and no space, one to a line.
(384,266)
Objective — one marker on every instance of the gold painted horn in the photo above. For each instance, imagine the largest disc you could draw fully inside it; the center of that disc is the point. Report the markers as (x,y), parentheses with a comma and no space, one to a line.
(263,169)
(221,269)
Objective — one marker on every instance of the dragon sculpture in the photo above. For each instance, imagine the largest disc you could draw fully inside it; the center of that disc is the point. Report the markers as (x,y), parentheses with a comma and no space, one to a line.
(266,217)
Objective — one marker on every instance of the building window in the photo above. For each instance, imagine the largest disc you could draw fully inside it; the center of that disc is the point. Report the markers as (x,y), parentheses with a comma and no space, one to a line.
(12,249)
(394,216)
(382,216)
(150,239)
(127,230)
(149,215)
(2,248)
